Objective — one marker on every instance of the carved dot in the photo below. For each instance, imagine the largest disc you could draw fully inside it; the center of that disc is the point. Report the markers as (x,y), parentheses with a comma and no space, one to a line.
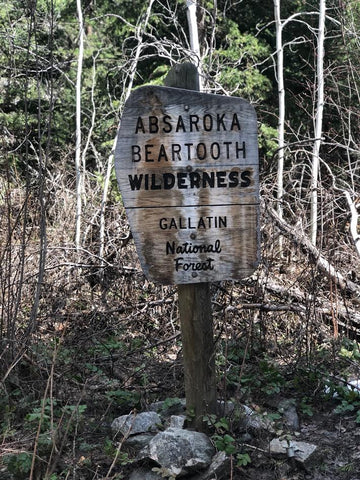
(193,236)
(186,107)
(194,274)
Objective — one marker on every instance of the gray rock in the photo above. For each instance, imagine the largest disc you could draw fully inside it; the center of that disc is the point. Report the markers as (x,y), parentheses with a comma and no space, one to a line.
(177,421)
(172,406)
(180,451)
(249,419)
(301,451)
(288,410)
(225,409)
(134,424)
(219,468)
(139,441)
(144,474)
(244,417)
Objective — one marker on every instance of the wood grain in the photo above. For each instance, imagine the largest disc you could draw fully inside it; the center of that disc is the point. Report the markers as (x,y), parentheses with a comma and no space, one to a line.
(185,161)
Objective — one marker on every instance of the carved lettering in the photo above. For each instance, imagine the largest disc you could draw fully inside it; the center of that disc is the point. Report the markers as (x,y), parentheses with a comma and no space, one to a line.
(189,248)
(192,180)
(173,152)
(190,123)
(189,223)
(181,264)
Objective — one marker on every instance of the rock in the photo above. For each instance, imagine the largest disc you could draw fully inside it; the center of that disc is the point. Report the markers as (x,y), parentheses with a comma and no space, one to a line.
(144,474)
(171,406)
(219,468)
(288,410)
(354,385)
(179,451)
(225,409)
(177,421)
(250,420)
(301,451)
(245,417)
(139,441)
(134,424)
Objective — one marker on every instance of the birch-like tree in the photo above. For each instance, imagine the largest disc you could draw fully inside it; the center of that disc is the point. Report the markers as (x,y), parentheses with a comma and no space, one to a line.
(319,82)
(194,36)
(281,100)
(79,165)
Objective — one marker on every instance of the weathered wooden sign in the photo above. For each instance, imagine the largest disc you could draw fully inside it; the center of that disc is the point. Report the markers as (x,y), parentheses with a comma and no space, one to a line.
(187,167)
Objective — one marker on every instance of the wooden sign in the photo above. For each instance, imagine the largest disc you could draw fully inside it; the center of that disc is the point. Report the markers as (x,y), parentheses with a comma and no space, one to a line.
(187,168)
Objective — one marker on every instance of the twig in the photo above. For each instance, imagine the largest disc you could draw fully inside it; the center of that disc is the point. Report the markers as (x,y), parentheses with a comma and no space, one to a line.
(120,447)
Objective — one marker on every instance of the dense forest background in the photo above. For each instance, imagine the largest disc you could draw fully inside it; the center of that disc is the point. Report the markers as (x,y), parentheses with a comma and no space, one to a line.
(83,335)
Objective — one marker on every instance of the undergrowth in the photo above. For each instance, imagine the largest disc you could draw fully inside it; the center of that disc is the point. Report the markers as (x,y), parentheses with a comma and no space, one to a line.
(60,425)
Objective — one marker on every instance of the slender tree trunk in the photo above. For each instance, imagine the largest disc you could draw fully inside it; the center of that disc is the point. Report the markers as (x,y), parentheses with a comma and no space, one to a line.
(79,165)
(281,99)
(194,37)
(318,122)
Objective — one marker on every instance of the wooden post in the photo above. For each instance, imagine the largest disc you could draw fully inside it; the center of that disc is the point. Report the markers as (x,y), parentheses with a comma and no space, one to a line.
(194,301)
(198,350)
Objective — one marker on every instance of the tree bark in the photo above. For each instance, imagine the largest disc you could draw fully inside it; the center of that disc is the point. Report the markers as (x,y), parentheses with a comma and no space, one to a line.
(281,101)
(318,123)
(194,37)
(79,170)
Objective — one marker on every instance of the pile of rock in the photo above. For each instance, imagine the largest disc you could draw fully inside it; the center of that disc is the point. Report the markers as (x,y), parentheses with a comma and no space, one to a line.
(157,438)
(172,451)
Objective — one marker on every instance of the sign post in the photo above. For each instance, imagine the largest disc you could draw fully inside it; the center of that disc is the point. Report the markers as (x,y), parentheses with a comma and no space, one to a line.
(187,167)
(195,312)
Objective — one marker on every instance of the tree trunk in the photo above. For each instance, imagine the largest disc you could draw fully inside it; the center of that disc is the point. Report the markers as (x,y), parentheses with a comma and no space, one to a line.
(194,37)
(281,97)
(79,166)
(318,123)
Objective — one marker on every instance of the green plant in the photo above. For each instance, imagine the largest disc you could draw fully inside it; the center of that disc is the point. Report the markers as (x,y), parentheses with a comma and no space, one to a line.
(348,468)
(224,440)
(41,415)
(305,407)
(116,454)
(50,413)
(124,398)
(272,378)
(170,403)
(350,350)
(242,459)
(348,398)
(19,464)
(225,443)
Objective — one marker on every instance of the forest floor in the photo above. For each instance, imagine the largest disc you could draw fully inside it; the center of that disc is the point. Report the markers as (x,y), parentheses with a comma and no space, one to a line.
(108,342)
(92,369)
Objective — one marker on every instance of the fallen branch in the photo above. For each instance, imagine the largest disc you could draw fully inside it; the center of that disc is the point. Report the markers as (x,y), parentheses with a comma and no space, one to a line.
(346,318)
(322,264)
